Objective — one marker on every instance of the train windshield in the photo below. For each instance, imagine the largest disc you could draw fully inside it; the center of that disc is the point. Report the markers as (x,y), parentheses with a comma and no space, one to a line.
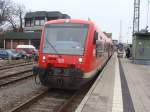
(67,38)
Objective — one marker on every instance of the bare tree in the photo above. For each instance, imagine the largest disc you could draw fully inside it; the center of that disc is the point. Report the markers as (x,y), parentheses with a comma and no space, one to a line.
(20,12)
(4,10)
(7,12)
(15,17)
(13,13)
(11,16)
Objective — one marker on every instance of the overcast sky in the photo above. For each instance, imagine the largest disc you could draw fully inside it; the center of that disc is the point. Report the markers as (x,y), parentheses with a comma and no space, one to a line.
(105,13)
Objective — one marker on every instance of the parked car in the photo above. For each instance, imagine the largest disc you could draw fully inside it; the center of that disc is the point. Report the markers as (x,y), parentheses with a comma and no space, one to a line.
(3,54)
(9,53)
(29,49)
(22,53)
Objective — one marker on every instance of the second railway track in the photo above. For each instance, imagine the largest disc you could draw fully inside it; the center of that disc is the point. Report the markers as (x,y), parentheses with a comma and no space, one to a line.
(16,74)
(15,65)
(15,77)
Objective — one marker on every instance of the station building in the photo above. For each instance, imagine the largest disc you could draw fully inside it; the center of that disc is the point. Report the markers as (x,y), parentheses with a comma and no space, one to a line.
(141,48)
(34,22)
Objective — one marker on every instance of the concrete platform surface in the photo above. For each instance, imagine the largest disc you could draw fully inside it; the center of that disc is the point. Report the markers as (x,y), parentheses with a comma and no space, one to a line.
(121,87)
(100,96)
(138,80)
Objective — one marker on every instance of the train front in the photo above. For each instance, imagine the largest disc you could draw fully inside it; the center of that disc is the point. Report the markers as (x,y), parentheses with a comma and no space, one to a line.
(61,54)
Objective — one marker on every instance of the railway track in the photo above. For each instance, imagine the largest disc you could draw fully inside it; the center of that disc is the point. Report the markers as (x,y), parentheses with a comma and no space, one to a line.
(53,100)
(47,101)
(20,72)
(15,65)
(17,70)
(12,62)
(15,77)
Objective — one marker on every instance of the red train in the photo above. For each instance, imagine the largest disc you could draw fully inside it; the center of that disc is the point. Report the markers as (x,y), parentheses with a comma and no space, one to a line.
(71,52)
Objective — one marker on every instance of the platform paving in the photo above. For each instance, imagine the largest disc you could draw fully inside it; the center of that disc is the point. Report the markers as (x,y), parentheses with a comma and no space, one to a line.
(127,92)
(100,96)
(138,80)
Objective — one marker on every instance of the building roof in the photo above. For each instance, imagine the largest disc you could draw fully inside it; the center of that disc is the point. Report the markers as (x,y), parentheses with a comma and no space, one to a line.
(35,14)
(22,35)
(65,16)
(54,14)
(142,34)
(45,14)
(109,35)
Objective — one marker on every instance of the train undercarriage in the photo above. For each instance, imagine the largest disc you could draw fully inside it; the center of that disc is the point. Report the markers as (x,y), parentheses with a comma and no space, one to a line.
(62,78)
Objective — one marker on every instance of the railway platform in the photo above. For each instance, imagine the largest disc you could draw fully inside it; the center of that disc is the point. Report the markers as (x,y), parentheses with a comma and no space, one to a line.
(122,86)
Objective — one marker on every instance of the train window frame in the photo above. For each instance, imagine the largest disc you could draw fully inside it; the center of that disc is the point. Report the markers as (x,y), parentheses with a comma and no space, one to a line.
(95,37)
(57,25)
(99,48)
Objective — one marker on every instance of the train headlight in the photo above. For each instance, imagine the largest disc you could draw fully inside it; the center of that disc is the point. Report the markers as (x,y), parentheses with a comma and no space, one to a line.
(80,60)
(43,59)
(67,21)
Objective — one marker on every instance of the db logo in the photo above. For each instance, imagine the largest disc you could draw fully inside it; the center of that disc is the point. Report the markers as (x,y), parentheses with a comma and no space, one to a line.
(94,52)
(60,60)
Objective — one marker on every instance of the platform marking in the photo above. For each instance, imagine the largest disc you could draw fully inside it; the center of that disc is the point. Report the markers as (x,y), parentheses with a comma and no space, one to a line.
(117,105)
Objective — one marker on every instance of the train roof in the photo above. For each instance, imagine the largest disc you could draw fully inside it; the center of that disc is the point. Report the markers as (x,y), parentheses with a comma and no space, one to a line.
(104,36)
(70,20)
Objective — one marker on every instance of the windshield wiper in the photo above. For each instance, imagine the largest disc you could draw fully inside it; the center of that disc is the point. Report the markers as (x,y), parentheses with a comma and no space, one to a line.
(53,48)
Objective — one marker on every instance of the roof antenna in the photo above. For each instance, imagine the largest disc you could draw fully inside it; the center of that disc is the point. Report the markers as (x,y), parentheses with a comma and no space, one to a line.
(147,16)
(89,19)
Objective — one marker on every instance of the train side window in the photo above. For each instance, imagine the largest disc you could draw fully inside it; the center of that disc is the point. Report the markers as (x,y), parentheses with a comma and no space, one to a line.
(106,46)
(99,48)
(95,37)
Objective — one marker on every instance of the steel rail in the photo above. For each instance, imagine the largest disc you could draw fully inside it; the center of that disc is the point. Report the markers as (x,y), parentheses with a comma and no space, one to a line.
(17,65)
(28,102)
(66,103)
(5,82)
(13,74)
